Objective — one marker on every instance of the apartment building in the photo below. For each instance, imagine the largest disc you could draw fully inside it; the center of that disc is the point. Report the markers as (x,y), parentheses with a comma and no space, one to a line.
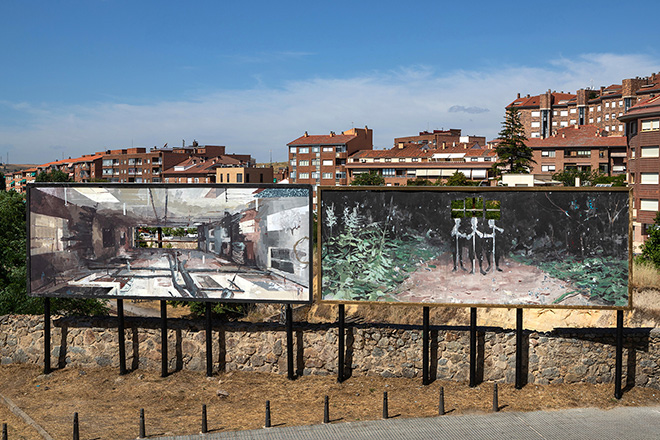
(440,139)
(321,159)
(137,165)
(543,115)
(579,147)
(643,128)
(412,160)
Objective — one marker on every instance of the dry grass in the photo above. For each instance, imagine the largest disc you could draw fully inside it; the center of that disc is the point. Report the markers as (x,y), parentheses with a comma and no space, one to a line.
(108,404)
(645,276)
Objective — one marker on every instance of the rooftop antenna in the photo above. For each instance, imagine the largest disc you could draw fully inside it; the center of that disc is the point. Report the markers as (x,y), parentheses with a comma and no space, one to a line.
(352,124)
(271,158)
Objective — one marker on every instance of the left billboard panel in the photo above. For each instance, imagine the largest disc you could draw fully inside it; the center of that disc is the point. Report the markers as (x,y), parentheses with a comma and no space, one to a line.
(240,243)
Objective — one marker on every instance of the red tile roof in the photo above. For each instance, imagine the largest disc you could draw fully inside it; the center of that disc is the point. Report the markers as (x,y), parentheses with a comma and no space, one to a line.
(336,139)
(647,106)
(582,136)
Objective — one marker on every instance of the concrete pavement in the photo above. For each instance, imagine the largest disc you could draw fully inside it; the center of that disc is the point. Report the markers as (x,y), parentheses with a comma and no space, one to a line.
(578,424)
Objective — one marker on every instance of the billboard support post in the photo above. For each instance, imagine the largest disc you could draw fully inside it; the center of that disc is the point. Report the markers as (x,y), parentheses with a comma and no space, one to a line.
(618,369)
(121,337)
(209,341)
(340,357)
(473,347)
(289,341)
(163,338)
(425,349)
(519,348)
(46,335)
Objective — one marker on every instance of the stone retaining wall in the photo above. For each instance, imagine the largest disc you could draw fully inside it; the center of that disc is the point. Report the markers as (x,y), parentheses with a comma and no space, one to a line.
(561,356)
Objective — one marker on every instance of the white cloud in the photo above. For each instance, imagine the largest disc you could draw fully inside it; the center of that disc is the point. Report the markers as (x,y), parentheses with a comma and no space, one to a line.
(397,103)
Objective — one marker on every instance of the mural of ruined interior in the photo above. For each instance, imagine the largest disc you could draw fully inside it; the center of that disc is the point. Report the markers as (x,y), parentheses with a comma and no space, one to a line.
(551,248)
(228,243)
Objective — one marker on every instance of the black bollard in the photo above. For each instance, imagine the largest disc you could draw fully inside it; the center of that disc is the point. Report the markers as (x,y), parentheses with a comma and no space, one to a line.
(496,405)
(441,403)
(326,411)
(385,412)
(267,425)
(76,431)
(142,430)
(204,427)
(4,431)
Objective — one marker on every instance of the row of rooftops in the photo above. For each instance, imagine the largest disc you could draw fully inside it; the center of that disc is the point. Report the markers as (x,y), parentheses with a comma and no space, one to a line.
(637,87)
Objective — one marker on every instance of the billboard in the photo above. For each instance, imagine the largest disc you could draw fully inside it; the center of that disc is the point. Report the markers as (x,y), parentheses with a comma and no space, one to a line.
(532,247)
(241,243)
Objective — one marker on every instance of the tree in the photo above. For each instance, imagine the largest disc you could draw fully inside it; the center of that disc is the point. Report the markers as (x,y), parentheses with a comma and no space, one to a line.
(512,153)
(420,181)
(458,179)
(368,179)
(567,177)
(651,247)
(53,176)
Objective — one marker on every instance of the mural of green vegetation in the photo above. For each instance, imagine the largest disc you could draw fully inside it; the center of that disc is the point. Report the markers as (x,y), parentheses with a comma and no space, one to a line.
(366,262)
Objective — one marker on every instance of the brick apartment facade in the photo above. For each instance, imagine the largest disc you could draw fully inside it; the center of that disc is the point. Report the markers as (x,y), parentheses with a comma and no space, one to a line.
(542,115)
(413,160)
(643,127)
(440,139)
(321,159)
(579,147)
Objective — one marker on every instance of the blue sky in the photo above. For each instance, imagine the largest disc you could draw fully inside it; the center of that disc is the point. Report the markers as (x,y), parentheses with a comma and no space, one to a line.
(80,76)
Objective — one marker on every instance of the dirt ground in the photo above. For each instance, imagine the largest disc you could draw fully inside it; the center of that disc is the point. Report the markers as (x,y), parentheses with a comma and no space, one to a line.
(109,404)
(515,283)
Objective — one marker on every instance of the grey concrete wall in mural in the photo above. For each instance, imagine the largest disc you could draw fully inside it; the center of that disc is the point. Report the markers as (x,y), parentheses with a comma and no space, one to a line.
(479,246)
(561,356)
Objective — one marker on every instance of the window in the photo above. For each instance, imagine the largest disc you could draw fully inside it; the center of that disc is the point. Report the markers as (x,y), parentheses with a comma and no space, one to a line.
(316,175)
(548,153)
(652,125)
(303,163)
(621,103)
(547,168)
(563,124)
(388,159)
(598,109)
(632,128)
(648,205)
(607,104)
(649,179)
(328,163)
(304,176)
(316,149)
(536,134)
(402,159)
(601,153)
(598,119)
(303,150)
(315,162)
(563,113)
(292,150)
(573,110)
(389,172)
(536,124)
(573,121)
(607,117)
(415,159)
(327,175)
(650,151)
(591,120)
(536,114)
(293,176)
(328,149)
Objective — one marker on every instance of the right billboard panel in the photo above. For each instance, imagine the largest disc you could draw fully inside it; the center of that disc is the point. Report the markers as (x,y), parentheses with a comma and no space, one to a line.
(488,246)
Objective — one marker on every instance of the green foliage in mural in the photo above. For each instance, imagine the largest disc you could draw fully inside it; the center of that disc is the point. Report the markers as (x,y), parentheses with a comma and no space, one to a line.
(367,262)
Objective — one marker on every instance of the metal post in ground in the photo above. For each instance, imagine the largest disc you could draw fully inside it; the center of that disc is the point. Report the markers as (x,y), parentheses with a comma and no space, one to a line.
(142,427)
(341,331)
(46,335)
(425,347)
(76,431)
(473,346)
(289,342)
(618,369)
(121,337)
(209,340)
(204,425)
(163,338)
